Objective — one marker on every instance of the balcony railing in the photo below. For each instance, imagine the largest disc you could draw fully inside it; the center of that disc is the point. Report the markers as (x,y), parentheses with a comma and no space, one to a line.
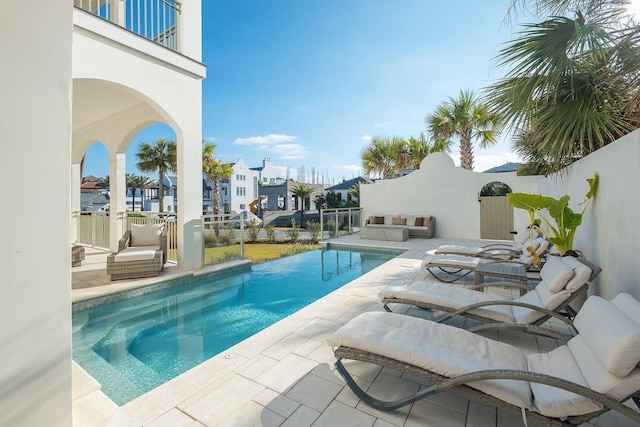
(156,20)
(339,222)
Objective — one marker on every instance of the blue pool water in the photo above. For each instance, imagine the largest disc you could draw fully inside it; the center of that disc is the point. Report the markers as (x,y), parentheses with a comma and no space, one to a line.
(135,345)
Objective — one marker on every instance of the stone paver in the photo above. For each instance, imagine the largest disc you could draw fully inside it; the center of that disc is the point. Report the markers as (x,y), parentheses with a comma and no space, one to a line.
(284,375)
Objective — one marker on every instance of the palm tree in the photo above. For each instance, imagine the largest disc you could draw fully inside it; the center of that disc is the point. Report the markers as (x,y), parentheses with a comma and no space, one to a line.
(421,147)
(137,182)
(573,86)
(158,156)
(214,170)
(385,156)
(354,191)
(468,119)
(302,191)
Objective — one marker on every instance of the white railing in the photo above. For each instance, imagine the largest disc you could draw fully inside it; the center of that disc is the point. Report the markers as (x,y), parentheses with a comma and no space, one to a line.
(156,20)
(93,228)
(223,238)
(339,222)
(169,221)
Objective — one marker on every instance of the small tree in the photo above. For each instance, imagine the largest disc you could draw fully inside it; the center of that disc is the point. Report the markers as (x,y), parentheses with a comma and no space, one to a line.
(270,229)
(253,230)
(294,231)
(314,229)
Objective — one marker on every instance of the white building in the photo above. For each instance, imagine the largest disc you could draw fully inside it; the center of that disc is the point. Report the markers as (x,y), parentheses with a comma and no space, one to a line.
(241,189)
(72,75)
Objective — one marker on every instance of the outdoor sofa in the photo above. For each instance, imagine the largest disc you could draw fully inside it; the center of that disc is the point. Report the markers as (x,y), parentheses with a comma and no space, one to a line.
(142,252)
(423,226)
(594,372)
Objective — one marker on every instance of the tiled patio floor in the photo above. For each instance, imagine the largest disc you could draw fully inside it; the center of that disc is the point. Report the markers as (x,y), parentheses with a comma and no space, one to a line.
(284,375)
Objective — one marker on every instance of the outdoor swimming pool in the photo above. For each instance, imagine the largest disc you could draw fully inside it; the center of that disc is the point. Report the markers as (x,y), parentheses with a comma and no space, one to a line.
(135,345)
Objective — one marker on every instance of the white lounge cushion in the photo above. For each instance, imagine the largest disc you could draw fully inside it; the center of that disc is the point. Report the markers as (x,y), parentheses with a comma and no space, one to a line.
(612,335)
(459,250)
(451,296)
(597,376)
(556,273)
(555,402)
(138,253)
(145,234)
(628,304)
(525,235)
(442,349)
(452,261)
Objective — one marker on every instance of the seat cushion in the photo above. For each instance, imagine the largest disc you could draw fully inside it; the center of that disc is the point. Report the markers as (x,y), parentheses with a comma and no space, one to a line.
(145,234)
(451,261)
(459,250)
(449,296)
(612,335)
(438,348)
(138,253)
(555,402)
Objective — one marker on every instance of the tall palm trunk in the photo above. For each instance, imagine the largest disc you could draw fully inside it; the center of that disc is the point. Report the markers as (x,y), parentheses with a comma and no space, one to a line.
(161,192)
(216,197)
(466,151)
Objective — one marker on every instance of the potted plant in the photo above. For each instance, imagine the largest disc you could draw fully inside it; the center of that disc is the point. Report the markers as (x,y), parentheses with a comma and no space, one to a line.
(562,222)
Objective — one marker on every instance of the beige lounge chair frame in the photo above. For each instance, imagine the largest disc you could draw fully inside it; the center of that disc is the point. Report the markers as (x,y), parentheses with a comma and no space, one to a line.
(137,269)
(563,312)
(459,384)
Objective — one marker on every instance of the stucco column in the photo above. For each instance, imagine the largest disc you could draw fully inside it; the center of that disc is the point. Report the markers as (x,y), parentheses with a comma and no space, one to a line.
(76,206)
(190,29)
(117,197)
(189,143)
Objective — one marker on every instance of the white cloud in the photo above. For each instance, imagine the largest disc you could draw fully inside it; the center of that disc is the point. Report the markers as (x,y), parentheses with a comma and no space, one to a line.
(367,138)
(355,168)
(289,151)
(283,146)
(265,141)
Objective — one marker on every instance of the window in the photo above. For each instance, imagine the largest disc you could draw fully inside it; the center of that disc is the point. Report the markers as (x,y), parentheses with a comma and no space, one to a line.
(242,206)
(241,191)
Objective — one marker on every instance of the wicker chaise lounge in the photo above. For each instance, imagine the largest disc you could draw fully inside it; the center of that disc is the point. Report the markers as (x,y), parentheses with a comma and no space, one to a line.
(563,280)
(458,266)
(142,252)
(491,250)
(595,372)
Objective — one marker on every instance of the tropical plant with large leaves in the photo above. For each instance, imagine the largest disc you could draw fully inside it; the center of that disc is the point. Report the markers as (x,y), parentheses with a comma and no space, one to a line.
(214,170)
(572,83)
(561,225)
(468,119)
(158,156)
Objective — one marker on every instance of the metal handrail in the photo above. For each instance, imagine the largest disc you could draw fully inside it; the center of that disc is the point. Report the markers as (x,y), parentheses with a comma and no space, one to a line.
(155,20)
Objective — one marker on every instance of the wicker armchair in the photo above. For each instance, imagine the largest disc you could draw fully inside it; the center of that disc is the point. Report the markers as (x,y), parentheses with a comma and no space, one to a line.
(142,252)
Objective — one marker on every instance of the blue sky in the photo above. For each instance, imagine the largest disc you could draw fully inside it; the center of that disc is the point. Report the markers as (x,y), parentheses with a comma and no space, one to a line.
(306,82)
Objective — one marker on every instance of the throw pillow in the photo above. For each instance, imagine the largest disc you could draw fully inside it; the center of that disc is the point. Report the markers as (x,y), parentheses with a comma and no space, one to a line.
(378,220)
(427,220)
(419,221)
(372,219)
(398,221)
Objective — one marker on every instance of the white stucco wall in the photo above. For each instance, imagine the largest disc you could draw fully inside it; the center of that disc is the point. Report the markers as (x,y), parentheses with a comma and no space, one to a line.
(609,234)
(447,192)
(35,287)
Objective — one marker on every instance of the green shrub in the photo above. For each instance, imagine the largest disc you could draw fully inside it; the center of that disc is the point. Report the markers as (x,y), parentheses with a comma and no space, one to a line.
(333,228)
(252,231)
(271,232)
(294,231)
(210,238)
(314,229)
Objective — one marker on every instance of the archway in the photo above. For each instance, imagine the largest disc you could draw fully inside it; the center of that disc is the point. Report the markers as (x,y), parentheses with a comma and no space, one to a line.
(496,214)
